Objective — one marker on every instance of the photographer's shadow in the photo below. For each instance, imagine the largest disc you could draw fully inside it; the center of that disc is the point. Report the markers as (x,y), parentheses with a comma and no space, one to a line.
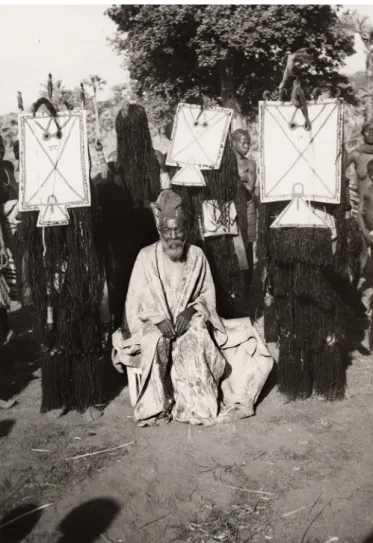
(87,522)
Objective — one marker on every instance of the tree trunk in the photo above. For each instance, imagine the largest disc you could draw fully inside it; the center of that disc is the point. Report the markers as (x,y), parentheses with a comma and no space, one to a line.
(369,76)
(98,133)
(228,96)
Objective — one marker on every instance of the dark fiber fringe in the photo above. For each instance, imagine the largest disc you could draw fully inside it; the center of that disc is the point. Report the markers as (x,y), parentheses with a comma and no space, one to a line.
(72,258)
(330,372)
(345,293)
(302,370)
(139,168)
(304,281)
(305,359)
(309,284)
(70,381)
(263,235)
(308,323)
(87,381)
(192,204)
(221,255)
(294,369)
(57,386)
(311,245)
(271,328)
(349,249)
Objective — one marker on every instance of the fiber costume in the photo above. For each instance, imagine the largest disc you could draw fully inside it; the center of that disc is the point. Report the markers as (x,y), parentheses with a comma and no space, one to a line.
(305,247)
(58,266)
(132,183)
(211,201)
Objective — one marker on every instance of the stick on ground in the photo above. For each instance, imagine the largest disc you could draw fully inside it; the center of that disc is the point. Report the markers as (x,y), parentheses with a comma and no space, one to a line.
(312,521)
(100,452)
(25,514)
(296,510)
(157,519)
(247,490)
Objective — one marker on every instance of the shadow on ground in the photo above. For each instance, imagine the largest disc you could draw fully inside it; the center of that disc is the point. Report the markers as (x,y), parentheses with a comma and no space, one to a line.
(87,522)
(269,385)
(19,359)
(15,531)
(112,381)
(6,427)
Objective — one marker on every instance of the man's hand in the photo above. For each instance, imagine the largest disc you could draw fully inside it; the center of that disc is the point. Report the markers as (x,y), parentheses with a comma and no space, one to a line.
(183,320)
(167,329)
(368,237)
(4,260)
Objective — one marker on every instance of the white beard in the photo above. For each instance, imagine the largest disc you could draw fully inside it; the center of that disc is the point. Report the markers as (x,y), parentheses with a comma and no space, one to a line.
(173,253)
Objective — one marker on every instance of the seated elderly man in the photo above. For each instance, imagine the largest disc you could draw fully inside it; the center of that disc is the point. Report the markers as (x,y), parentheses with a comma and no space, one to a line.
(196,367)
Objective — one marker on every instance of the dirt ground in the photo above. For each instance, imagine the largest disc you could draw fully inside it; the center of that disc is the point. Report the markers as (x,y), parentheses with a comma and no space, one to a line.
(294,473)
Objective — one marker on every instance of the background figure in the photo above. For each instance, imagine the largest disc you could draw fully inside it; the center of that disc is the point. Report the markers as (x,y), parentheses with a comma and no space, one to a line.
(8,222)
(365,218)
(9,219)
(247,171)
(365,214)
(132,183)
(360,157)
(5,331)
(165,176)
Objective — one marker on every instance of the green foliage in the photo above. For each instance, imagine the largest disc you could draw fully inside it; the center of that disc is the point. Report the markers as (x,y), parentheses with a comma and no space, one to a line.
(174,51)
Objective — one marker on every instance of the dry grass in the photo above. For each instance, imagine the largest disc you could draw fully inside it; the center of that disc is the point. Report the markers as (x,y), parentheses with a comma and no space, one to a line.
(236,523)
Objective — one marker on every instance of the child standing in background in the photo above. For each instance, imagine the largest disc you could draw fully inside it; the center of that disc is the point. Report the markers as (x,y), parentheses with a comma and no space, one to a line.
(247,171)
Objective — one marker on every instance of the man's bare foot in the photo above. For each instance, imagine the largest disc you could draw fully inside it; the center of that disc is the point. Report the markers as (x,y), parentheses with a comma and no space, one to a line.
(93,413)
(57,413)
(276,398)
(8,404)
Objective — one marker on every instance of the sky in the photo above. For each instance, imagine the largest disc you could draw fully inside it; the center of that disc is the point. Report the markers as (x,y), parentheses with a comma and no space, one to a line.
(70,41)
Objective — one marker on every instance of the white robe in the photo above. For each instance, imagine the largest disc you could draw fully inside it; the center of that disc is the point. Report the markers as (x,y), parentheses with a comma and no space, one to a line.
(214,372)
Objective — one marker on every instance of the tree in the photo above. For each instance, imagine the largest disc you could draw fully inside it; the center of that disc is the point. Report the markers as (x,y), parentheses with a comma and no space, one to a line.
(61,95)
(96,83)
(360,24)
(119,91)
(229,53)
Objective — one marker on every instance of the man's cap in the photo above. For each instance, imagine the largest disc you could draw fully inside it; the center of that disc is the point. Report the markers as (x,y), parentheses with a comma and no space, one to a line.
(169,205)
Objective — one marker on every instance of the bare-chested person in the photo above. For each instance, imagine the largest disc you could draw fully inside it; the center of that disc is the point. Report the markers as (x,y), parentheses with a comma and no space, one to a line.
(365,218)
(360,158)
(365,213)
(247,172)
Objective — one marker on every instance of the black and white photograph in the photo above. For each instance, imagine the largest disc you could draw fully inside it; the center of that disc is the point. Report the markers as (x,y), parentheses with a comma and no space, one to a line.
(186,273)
